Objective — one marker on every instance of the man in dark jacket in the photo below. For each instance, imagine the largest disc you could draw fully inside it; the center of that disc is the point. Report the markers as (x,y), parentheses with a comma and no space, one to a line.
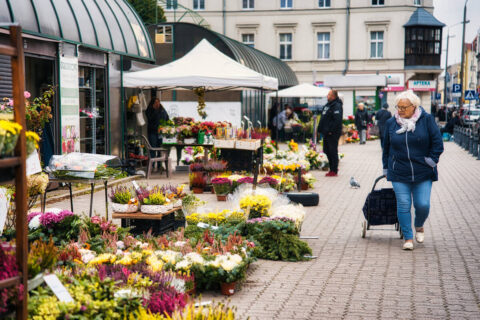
(331,128)
(361,121)
(381,117)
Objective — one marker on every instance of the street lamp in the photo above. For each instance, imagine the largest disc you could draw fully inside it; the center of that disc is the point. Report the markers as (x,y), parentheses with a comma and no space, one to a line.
(446,66)
(463,51)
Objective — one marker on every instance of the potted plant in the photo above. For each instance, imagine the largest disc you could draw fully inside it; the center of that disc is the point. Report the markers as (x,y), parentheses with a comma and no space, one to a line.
(123,200)
(256,206)
(222,187)
(153,201)
(197,176)
(272,182)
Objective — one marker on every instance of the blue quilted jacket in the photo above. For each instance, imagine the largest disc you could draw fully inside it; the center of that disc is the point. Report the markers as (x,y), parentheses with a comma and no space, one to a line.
(412,156)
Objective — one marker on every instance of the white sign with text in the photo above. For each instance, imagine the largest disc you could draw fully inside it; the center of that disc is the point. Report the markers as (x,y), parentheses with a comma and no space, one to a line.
(216,111)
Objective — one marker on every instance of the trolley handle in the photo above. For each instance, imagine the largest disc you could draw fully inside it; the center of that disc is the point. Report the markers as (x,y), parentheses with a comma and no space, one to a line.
(376,181)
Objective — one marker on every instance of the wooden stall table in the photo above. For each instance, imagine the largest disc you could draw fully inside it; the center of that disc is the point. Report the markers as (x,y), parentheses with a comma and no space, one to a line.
(141,222)
(71,181)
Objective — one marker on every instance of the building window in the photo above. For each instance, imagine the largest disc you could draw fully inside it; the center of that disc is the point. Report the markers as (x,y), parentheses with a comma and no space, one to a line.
(376,44)
(324,3)
(198,4)
(423,46)
(378,2)
(286,46)
(172,4)
(417,2)
(286,4)
(248,39)
(163,34)
(323,45)
(248,4)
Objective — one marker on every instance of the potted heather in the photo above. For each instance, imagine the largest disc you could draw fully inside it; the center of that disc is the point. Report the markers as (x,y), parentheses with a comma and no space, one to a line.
(269,181)
(197,177)
(153,201)
(222,187)
(214,168)
(123,200)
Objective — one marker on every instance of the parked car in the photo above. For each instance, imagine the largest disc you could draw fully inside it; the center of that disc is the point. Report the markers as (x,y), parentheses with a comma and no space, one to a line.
(470,116)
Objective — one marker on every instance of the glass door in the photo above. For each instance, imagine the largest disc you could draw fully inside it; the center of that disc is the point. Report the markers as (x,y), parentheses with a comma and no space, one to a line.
(92,110)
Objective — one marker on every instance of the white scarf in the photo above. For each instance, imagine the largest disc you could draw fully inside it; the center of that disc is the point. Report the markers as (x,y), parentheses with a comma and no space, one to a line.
(407,124)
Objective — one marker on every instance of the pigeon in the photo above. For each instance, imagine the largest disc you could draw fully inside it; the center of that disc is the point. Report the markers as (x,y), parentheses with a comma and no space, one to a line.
(354,183)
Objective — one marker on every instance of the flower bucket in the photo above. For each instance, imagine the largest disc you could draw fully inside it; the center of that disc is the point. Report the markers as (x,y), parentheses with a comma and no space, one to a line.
(189,140)
(201,137)
(197,190)
(304,186)
(227,289)
(124,208)
(221,197)
(154,209)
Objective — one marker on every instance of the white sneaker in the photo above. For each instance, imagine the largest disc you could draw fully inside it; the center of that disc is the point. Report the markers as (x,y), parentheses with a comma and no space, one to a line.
(408,246)
(420,236)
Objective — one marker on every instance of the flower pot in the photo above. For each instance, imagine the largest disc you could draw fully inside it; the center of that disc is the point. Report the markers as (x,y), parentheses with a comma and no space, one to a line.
(124,208)
(304,186)
(189,140)
(227,289)
(221,197)
(155,209)
(197,190)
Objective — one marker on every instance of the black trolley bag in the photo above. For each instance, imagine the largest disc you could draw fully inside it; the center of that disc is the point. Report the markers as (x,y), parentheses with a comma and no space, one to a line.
(380,208)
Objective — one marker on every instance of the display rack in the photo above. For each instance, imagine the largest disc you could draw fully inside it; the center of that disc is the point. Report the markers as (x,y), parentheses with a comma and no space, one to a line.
(18,163)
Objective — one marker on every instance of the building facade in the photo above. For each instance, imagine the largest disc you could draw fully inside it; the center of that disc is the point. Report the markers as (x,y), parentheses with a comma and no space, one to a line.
(318,38)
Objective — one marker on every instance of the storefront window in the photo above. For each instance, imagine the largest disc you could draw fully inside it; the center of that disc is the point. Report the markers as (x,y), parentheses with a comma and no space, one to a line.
(92,110)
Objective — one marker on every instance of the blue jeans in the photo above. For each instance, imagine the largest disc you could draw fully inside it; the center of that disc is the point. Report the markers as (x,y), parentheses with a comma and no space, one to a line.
(420,192)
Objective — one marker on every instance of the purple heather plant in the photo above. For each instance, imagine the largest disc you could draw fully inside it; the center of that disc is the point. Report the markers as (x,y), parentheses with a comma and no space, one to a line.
(265,219)
(269,180)
(221,181)
(197,167)
(216,166)
(245,180)
(48,219)
(163,303)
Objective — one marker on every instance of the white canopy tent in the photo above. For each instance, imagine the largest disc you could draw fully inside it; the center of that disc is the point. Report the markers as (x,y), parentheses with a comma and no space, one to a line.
(304,90)
(204,66)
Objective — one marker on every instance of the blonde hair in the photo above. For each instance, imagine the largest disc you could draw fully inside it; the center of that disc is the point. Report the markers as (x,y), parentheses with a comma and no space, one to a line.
(410,96)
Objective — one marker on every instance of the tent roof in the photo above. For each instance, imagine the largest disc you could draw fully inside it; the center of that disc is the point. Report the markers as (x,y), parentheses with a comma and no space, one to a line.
(304,90)
(422,17)
(204,66)
(107,25)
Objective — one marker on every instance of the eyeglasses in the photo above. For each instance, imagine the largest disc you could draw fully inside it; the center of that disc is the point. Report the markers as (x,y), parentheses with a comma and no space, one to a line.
(403,108)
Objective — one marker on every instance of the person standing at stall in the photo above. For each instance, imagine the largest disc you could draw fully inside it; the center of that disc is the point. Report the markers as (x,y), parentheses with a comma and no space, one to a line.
(155,113)
(381,118)
(361,122)
(331,128)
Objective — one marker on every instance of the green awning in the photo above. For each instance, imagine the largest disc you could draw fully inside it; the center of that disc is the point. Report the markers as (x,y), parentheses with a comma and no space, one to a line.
(106,25)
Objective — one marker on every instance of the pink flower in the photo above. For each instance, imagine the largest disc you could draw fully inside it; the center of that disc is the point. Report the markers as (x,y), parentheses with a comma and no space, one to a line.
(26,94)
(96,219)
(113,228)
(10,102)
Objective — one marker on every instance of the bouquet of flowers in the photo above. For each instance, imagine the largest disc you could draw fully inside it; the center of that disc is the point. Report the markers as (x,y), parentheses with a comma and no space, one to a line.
(222,186)
(9,132)
(256,205)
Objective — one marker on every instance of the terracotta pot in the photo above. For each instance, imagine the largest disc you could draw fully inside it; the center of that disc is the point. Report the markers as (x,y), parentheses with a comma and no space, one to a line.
(304,186)
(221,197)
(227,289)
(197,190)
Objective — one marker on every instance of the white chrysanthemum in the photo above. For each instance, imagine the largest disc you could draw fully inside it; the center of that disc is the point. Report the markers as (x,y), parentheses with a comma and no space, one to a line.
(228,265)
(179,285)
(179,243)
(126,293)
(184,264)
(120,245)
(34,223)
(87,255)
(194,257)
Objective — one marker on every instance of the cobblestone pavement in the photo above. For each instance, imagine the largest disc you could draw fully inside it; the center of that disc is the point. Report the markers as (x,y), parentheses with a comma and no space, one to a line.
(372,278)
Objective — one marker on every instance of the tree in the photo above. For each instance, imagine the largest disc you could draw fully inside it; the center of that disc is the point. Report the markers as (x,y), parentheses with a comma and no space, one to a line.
(146,10)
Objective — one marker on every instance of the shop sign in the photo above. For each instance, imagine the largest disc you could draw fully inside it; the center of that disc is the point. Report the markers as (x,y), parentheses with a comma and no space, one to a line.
(69,104)
(422,85)
(395,82)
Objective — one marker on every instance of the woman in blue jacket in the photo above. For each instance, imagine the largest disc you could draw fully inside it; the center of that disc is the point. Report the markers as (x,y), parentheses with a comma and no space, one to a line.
(412,146)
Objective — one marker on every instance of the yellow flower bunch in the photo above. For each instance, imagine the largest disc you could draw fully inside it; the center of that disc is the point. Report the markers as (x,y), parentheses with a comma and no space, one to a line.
(104,258)
(126,260)
(215,218)
(256,205)
(9,127)
(154,263)
(292,145)
(32,138)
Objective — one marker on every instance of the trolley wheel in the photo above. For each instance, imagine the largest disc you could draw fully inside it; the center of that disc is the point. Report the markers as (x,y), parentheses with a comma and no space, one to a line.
(364,229)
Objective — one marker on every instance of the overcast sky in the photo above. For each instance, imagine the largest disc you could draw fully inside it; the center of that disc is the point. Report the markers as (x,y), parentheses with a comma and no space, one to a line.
(450,12)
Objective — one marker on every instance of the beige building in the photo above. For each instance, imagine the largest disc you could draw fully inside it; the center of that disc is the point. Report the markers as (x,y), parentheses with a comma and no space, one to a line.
(321,38)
